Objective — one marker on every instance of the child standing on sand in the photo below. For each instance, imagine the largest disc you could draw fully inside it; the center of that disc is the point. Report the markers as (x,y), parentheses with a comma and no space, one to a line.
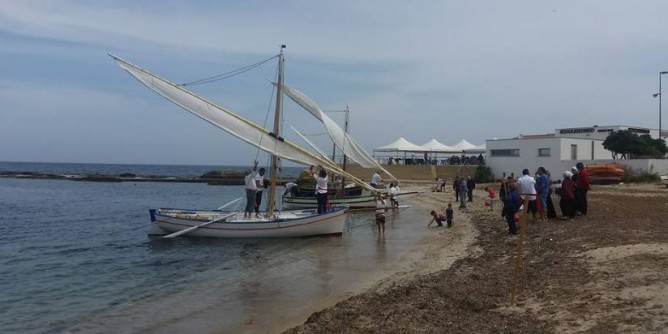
(491,196)
(449,214)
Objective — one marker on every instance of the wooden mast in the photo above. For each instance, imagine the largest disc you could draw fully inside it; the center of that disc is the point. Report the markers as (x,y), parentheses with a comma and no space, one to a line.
(271,205)
(345,158)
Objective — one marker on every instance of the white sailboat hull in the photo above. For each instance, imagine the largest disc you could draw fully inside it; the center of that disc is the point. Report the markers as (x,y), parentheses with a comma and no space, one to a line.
(354,202)
(288,224)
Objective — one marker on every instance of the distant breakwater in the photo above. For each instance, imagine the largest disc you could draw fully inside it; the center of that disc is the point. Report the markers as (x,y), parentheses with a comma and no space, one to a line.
(222,178)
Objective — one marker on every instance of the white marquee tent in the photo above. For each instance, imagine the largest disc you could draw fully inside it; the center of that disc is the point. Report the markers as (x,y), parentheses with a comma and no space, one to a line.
(437,147)
(466,147)
(403,145)
(400,145)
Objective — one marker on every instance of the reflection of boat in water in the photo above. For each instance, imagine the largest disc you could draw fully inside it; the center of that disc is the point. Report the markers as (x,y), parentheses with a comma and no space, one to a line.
(215,223)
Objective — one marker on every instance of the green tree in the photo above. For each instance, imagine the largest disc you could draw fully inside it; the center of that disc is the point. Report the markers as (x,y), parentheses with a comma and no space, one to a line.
(625,144)
(483,174)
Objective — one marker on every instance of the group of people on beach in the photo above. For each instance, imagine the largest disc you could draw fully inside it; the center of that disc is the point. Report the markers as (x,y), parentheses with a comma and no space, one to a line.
(463,188)
(533,194)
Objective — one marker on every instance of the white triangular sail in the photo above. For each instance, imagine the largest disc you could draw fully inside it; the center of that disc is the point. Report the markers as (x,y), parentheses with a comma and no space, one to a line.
(231,122)
(341,139)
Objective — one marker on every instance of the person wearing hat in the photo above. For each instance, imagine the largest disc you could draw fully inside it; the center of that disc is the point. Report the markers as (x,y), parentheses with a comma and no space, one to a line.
(574,172)
(567,192)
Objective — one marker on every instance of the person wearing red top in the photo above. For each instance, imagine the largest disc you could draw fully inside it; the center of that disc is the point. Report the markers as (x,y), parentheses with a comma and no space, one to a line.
(439,217)
(581,188)
(491,195)
(567,193)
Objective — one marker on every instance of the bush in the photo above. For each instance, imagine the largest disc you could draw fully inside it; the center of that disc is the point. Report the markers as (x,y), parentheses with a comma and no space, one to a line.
(483,174)
(631,176)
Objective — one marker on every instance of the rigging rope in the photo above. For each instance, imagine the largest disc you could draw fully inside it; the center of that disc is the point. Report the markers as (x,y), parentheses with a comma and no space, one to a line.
(226,75)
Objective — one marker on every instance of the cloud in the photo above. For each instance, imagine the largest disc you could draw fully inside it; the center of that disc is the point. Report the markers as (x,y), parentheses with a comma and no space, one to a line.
(446,70)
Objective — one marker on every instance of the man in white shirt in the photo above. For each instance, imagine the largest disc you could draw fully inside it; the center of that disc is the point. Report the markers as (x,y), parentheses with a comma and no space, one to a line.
(527,185)
(251,189)
(259,183)
(375,179)
(394,190)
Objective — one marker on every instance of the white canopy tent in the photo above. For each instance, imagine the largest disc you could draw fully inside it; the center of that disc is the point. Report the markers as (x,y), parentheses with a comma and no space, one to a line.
(466,147)
(437,147)
(400,145)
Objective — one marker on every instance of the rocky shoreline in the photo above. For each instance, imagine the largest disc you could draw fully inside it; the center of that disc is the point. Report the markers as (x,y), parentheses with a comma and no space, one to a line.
(600,273)
(222,178)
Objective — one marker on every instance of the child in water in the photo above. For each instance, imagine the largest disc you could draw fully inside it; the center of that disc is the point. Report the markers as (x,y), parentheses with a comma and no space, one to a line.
(380,214)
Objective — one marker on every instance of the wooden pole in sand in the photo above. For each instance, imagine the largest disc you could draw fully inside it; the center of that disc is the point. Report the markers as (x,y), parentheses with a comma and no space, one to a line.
(518,254)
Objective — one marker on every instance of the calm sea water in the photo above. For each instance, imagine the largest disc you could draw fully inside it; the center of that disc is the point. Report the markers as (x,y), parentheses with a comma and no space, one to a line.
(76,258)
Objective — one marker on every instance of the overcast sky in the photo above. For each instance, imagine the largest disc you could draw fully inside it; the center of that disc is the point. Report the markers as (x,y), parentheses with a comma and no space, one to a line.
(448,70)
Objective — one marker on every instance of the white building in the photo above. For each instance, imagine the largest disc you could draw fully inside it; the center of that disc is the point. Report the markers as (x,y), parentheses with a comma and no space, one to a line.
(561,150)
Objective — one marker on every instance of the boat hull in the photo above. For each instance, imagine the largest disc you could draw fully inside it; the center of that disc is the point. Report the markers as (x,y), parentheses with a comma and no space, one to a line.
(354,202)
(288,224)
(290,203)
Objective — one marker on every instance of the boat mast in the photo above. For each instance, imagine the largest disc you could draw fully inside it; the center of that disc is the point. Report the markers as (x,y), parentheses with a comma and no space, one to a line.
(345,158)
(277,119)
(345,130)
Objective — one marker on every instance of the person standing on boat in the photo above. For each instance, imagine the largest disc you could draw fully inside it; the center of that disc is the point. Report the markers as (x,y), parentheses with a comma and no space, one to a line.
(251,189)
(321,189)
(375,179)
(259,183)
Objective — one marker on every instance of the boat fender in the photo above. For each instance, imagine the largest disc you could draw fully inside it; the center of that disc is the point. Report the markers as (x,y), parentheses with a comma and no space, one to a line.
(152,213)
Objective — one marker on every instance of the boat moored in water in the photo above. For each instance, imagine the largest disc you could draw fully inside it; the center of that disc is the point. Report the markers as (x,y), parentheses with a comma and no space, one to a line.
(225,224)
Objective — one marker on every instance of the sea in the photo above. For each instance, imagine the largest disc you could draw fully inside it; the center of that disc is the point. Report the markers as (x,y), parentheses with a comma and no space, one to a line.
(76,258)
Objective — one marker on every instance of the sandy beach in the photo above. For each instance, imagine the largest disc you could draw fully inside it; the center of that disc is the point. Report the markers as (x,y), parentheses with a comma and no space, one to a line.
(600,273)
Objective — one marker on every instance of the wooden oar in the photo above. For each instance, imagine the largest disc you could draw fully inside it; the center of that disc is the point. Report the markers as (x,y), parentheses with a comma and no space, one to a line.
(190,229)
(230,203)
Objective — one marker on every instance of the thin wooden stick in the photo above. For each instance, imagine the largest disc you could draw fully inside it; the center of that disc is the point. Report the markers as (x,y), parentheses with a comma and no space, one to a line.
(518,254)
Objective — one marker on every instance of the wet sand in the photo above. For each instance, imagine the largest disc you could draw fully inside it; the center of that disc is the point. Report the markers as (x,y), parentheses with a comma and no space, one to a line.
(436,250)
(600,273)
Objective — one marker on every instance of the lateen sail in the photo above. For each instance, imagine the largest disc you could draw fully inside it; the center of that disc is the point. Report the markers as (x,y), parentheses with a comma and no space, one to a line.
(341,139)
(231,122)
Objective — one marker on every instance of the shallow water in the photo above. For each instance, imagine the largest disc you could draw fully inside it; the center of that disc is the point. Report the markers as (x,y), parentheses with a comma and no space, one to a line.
(76,258)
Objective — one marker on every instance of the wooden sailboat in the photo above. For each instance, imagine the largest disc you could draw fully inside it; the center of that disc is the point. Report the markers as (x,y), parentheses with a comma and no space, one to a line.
(226,224)
(355,197)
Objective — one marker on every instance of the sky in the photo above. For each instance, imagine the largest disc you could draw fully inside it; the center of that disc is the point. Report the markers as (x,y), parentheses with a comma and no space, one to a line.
(448,70)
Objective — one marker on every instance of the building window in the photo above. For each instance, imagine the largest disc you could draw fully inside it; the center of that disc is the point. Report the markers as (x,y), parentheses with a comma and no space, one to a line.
(544,152)
(513,152)
(574,152)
